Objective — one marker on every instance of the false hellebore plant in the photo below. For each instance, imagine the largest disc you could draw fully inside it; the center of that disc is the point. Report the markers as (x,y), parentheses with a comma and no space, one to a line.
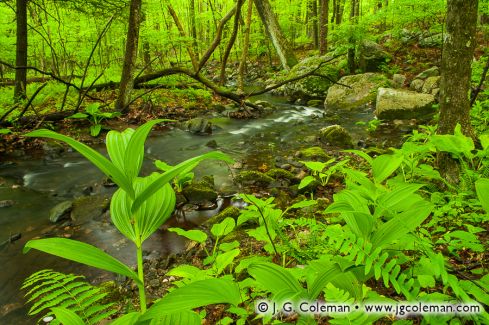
(138,208)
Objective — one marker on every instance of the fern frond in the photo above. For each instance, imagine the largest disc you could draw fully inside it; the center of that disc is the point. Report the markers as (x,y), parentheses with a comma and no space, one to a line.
(48,289)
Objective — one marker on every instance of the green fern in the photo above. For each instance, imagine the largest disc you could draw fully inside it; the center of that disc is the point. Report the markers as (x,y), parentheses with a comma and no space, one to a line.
(48,289)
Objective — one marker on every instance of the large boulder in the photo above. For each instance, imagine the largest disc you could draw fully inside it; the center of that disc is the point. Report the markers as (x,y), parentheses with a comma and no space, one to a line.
(434,40)
(372,56)
(312,87)
(431,72)
(354,91)
(431,85)
(397,104)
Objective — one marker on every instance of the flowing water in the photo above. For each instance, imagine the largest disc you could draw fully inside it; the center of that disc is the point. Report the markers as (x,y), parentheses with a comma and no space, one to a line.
(37,184)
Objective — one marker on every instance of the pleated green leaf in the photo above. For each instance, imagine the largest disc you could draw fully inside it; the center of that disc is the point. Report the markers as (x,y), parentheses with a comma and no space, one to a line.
(482,189)
(153,212)
(127,319)
(275,279)
(82,253)
(67,317)
(102,163)
(402,224)
(328,272)
(169,175)
(186,317)
(194,295)
(116,143)
(134,153)
(383,166)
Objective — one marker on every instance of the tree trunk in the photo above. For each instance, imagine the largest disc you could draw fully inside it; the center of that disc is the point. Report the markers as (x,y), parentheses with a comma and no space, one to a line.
(312,22)
(458,51)
(246,44)
(351,51)
(285,53)
(323,26)
(21,50)
(340,6)
(131,55)
(193,28)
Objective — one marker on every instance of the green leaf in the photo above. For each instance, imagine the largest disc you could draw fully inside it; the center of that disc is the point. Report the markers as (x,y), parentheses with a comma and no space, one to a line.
(153,212)
(303,204)
(195,235)
(186,317)
(362,154)
(96,158)
(95,130)
(92,108)
(67,317)
(78,115)
(306,181)
(456,144)
(82,253)
(275,279)
(225,259)
(482,189)
(116,143)
(401,224)
(383,166)
(134,153)
(172,173)
(223,228)
(195,294)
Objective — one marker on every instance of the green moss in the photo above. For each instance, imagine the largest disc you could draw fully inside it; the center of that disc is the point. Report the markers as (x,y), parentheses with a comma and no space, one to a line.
(230,211)
(253,177)
(279,173)
(199,192)
(313,153)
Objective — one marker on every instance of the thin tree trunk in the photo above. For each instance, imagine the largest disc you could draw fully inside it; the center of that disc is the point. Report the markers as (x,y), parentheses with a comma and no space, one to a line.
(232,39)
(284,51)
(323,26)
(191,53)
(131,55)
(21,50)
(458,50)
(193,28)
(351,51)
(340,6)
(312,21)
(246,44)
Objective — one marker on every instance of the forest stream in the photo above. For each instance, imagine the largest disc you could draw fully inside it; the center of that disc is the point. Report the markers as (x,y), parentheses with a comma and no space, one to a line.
(37,183)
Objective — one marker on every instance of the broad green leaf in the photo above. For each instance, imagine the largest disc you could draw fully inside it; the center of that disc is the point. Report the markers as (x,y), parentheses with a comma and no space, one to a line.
(78,115)
(324,274)
(102,163)
(188,271)
(116,143)
(303,204)
(316,166)
(153,212)
(193,234)
(134,153)
(400,225)
(5,131)
(95,130)
(223,228)
(186,317)
(67,317)
(362,154)
(223,260)
(172,173)
(194,295)
(306,181)
(456,144)
(82,253)
(275,279)
(92,108)
(383,166)
(401,193)
(484,139)
(228,246)
(482,189)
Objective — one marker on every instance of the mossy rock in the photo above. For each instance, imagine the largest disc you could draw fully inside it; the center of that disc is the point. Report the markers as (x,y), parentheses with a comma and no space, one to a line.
(279,173)
(354,92)
(336,136)
(87,208)
(200,192)
(313,153)
(229,212)
(253,177)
